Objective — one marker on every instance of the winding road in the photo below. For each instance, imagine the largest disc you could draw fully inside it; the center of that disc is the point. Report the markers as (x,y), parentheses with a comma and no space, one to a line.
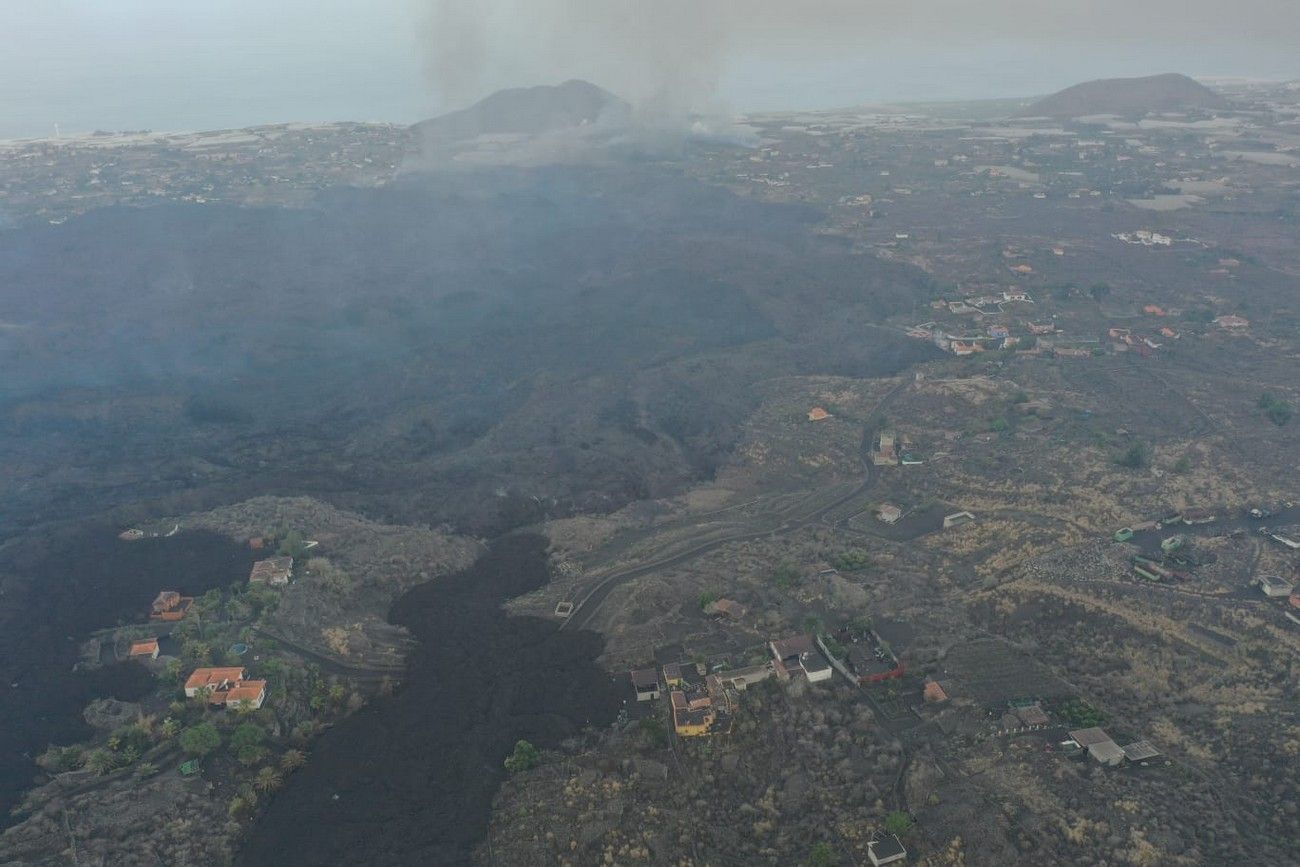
(591,598)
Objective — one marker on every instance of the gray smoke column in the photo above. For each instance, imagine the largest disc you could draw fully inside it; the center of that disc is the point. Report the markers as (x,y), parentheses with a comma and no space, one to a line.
(459,54)
(667,56)
(664,56)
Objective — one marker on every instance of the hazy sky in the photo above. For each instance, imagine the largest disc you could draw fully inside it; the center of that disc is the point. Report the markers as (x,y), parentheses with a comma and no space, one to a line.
(162,64)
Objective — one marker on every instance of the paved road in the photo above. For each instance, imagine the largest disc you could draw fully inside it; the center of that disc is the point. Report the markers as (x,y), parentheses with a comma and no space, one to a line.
(585,610)
(333,665)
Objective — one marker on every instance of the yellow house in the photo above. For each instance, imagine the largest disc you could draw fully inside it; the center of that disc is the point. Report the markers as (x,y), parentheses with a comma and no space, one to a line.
(691,718)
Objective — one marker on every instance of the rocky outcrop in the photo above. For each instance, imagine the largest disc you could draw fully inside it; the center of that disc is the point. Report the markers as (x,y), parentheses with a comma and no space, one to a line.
(109,713)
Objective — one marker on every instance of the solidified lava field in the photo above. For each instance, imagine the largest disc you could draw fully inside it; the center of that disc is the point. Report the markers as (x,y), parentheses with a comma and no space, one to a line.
(410,779)
(56,592)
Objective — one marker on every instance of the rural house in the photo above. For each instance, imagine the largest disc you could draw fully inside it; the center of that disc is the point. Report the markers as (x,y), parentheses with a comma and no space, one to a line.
(226,686)
(798,655)
(274,572)
(170,606)
(885,850)
(144,649)
(646,683)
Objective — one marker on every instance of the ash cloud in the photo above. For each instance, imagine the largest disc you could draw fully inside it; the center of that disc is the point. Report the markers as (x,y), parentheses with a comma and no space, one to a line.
(665,57)
(668,56)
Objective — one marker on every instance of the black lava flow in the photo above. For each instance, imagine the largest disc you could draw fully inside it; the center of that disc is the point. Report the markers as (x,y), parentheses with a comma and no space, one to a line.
(54,594)
(409,779)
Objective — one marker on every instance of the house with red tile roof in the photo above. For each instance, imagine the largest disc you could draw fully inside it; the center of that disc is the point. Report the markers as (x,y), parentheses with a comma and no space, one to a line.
(226,686)
(246,694)
(170,606)
(144,649)
(933,693)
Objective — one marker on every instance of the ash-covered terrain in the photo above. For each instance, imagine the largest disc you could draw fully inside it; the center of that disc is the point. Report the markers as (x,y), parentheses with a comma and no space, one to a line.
(911,478)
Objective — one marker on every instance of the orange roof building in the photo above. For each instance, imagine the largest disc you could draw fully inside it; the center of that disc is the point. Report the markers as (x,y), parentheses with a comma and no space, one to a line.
(818,414)
(962,347)
(248,693)
(933,692)
(729,609)
(212,678)
(144,649)
(170,606)
(226,686)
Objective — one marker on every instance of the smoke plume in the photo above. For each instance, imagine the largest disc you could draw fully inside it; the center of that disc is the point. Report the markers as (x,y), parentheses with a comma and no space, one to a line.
(667,56)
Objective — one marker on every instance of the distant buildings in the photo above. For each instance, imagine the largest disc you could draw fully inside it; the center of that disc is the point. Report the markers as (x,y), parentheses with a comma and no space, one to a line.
(274,572)
(741,679)
(1144,238)
(885,453)
(725,609)
(1030,714)
(1140,751)
(1274,586)
(885,850)
(645,682)
(859,654)
(956,519)
(1098,745)
(699,703)
(170,606)
(1285,541)
(797,656)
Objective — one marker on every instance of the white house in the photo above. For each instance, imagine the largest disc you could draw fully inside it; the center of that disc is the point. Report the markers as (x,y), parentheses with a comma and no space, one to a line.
(886,850)
(1274,586)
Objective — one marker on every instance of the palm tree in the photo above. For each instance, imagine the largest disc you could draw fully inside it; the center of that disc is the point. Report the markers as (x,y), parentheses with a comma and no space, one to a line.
(267,780)
(292,760)
(170,727)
